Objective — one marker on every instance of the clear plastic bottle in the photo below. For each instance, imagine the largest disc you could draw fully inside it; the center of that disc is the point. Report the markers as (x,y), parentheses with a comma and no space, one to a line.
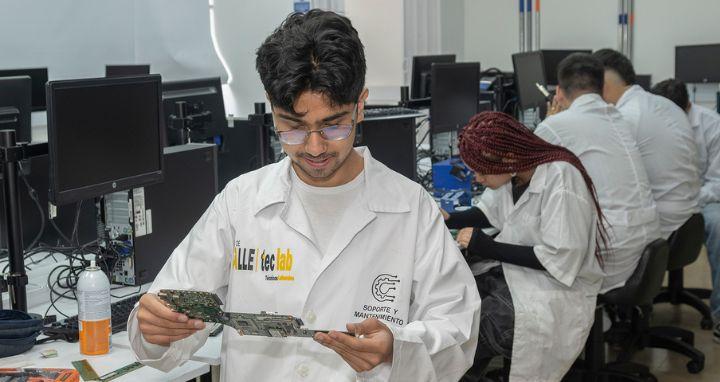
(93,296)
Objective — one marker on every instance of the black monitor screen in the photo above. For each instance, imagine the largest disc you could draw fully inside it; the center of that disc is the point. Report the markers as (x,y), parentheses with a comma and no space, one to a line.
(456,89)
(126,70)
(644,80)
(551,60)
(529,71)
(39,78)
(200,95)
(15,93)
(104,135)
(697,63)
(421,72)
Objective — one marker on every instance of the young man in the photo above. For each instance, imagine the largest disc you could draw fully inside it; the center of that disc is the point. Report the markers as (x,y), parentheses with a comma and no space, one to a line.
(328,234)
(599,135)
(706,126)
(664,138)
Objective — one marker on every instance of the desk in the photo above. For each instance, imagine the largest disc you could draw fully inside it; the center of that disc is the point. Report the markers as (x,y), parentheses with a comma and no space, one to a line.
(119,356)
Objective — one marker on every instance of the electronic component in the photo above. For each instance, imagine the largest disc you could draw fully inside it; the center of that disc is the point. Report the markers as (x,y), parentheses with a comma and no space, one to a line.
(206,306)
(89,374)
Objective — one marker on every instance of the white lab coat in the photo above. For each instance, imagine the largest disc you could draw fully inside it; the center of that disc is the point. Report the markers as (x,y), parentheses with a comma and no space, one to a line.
(554,309)
(667,146)
(392,256)
(599,135)
(706,126)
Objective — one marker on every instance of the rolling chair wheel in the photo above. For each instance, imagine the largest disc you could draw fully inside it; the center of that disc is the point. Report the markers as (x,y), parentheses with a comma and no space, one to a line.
(694,367)
(706,324)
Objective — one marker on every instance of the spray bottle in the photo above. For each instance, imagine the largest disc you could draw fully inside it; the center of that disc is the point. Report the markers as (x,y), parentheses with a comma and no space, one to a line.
(93,296)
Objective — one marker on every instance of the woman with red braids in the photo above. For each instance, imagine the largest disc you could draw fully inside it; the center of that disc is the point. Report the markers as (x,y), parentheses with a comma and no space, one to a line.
(543,270)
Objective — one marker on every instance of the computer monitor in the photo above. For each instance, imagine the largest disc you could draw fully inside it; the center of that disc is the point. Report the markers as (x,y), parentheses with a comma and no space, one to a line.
(529,71)
(39,77)
(203,99)
(697,63)
(15,92)
(421,72)
(644,80)
(551,60)
(456,94)
(126,70)
(104,135)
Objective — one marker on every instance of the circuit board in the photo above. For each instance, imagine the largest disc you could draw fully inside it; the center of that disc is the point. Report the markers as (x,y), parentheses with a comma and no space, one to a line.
(206,306)
(199,305)
(268,325)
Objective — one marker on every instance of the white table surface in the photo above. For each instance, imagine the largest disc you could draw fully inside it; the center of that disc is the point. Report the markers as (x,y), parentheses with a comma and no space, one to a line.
(120,355)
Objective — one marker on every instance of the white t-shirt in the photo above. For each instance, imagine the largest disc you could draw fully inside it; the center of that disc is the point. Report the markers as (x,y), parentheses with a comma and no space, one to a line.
(325,206)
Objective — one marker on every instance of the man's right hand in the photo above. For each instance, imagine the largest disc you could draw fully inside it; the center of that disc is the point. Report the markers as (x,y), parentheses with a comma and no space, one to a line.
(160,325)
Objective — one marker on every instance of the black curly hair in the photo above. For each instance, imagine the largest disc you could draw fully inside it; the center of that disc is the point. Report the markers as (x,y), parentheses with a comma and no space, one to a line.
(318,51)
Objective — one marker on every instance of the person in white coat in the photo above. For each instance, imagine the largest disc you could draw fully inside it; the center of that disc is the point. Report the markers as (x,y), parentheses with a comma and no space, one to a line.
(664,138)
(599,135)
(706,126)
(328,234)
(543,269)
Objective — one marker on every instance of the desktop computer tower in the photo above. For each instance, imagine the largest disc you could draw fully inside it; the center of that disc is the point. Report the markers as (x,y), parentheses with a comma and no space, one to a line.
(148,223)
(37,173)
(391,140)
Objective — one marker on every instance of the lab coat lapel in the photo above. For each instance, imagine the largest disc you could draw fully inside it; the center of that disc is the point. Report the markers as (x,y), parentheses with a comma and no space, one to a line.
(293,214)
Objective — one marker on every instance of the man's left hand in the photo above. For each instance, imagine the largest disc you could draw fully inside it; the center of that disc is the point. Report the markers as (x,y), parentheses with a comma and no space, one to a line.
(371,346)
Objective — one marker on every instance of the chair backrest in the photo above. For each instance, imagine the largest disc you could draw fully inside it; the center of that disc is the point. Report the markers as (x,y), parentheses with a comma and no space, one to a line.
(645,282)
(686,242)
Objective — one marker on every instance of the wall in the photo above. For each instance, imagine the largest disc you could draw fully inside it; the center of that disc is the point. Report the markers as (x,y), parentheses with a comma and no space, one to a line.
(491,32)
(240,28)
(381,28)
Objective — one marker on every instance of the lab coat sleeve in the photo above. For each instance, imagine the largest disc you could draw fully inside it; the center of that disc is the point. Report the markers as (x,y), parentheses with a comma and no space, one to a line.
(710,191)
(439,341)
(490,206)
(567,228)
(200,262)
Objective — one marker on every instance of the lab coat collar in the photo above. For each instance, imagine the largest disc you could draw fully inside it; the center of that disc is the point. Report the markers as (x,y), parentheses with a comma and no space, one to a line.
(536,186)
(629,94)
(382,191)
(585,99)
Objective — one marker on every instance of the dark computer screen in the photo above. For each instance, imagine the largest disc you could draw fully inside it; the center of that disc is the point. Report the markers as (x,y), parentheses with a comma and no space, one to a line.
(15,92)
(104,135)
(644,80)
(552,58)
(200,95)
(39,78)
(456,91)
(126,70)
(697,63)
(421,72)
(529,70)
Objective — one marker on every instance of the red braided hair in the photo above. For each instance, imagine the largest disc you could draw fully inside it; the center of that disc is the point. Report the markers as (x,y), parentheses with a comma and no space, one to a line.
(492,136)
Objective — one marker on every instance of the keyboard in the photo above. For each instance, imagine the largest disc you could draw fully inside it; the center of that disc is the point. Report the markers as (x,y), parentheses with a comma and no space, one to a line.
(120,312)
(384,112)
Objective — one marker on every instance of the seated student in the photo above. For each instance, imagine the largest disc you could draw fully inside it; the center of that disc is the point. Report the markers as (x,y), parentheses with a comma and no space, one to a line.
(544,273)
(706,126)
(664,138)
(599,135)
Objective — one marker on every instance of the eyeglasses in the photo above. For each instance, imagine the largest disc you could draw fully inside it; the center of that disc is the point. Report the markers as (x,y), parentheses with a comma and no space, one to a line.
(329,133)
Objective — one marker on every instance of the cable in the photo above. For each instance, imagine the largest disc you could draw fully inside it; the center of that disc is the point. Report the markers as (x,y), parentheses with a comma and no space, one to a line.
(34,196)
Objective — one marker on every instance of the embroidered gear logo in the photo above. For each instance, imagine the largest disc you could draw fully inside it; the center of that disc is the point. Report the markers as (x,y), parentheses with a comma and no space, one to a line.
(384,287)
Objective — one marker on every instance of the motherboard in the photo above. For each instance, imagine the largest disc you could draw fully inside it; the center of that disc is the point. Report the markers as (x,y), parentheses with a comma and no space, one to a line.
(206,306)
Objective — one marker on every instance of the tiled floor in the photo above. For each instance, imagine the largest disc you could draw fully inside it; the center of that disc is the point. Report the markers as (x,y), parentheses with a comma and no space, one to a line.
(669,366)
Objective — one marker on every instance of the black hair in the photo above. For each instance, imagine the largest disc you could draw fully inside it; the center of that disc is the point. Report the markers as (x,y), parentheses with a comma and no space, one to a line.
(617,62)
(674,90)
(581,72)
(318,51)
